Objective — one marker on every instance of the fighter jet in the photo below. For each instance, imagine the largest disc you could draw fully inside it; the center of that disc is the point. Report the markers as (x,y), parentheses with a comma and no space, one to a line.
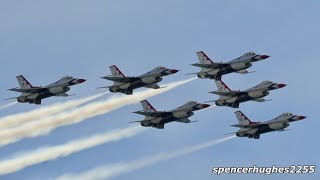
(34,95)
(126,85)
(234,98)
(211,70)
(157,119)
(254,129)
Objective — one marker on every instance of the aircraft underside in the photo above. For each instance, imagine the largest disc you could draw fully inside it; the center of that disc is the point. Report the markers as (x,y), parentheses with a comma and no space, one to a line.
(221,72)
(261,130)
(35,99)
(159,125)
(129,90)
(236,104)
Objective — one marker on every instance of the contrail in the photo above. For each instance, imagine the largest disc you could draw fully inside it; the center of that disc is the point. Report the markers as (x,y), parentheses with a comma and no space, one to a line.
(40,155)
(109,171)
(7,105)
(17,119)
(80,114)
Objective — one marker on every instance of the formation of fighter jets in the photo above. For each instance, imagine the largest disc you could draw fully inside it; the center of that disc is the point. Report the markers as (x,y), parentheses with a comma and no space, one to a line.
(157,119)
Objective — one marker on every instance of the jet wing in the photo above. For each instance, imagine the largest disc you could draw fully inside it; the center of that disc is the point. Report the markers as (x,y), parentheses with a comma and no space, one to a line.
(153,114)
(121,79)
(29,90)
(230,93)
(153,86)
(185,120)
(210,66)
(249,125)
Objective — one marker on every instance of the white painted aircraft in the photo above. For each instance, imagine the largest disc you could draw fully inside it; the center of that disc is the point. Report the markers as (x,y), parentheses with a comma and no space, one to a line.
(126,85)
(254,129)
(232,98)
(158,119)
(211,70)
(34,95)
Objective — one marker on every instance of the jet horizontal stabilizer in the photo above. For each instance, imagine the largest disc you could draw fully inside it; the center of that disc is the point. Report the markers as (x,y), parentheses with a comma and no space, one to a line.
(249,125)
(104,87)
(230,133)
(191,73)
(30,90)
(121,79)
(237,125)
(135,121)
(105,77)
(153,114)
(210,101)
(210,66)
(11,98)
(229,93)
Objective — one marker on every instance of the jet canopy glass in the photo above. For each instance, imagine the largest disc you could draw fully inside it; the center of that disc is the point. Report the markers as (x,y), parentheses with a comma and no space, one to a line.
(286,114)
(249,53)
(192,102)
(160,68)
(267,82)
(67,77)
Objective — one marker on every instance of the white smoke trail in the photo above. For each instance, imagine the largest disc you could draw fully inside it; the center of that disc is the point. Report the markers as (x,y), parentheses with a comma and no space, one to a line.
(109,171)
(17,119)
(7,105)
(80,114)
(40,155)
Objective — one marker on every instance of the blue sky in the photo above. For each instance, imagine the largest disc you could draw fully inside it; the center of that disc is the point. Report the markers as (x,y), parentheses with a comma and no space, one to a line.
(45,40)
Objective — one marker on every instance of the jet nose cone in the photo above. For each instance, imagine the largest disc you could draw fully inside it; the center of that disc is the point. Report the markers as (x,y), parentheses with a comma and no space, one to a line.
(81,80)
(264,56)
(302,117)
(174,71)
(205,105)
(282,85)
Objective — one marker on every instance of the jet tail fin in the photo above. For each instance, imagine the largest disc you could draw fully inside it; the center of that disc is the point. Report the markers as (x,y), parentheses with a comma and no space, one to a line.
(222,87)
(23,82)
(147,107)
(243,119)
(116,71)
(203,59)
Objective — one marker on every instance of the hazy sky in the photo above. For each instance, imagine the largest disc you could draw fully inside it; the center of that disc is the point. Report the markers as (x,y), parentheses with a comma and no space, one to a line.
(45,40)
